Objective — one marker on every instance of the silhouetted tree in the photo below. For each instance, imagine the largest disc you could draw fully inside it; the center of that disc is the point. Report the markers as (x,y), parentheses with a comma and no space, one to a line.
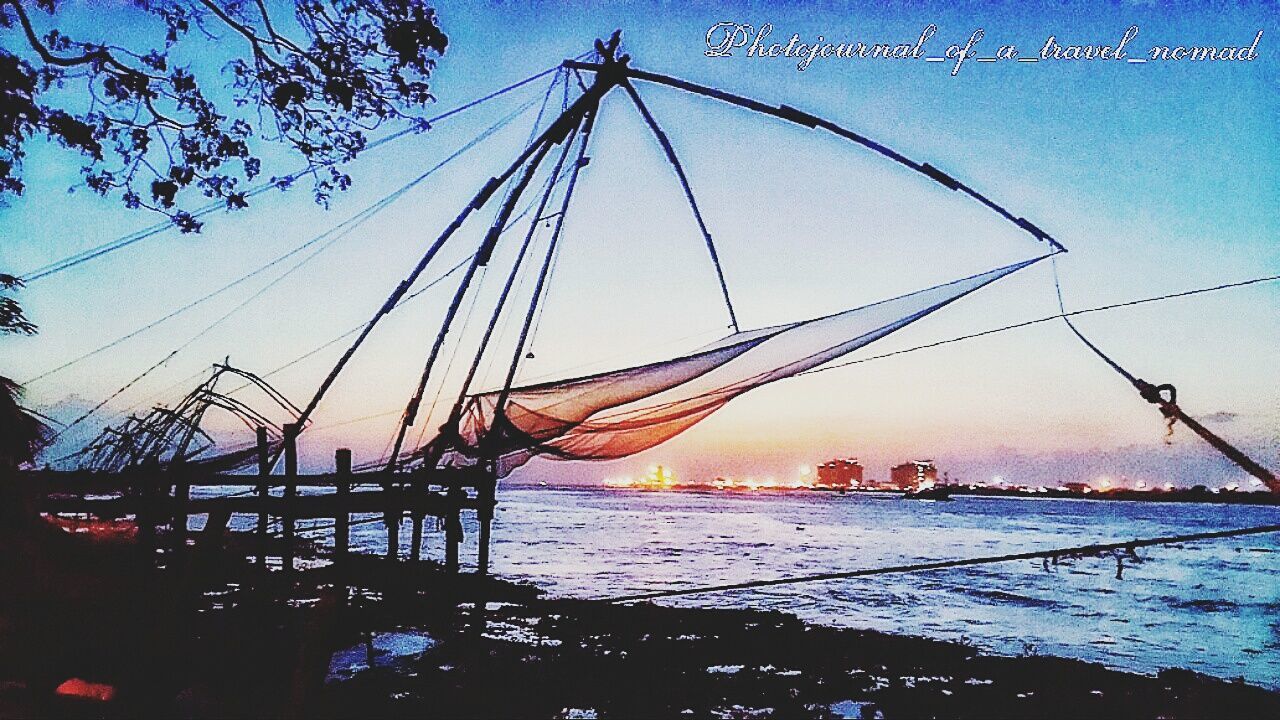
(21,433)
(12,319)
(314,75)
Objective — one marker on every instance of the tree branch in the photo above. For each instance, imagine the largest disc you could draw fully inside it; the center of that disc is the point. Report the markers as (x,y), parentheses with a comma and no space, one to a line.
(39,47)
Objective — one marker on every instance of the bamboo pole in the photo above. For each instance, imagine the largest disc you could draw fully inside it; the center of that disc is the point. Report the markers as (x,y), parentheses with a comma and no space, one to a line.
(342,523)
(290,494)
(453,526)
(264,492)
(486,495)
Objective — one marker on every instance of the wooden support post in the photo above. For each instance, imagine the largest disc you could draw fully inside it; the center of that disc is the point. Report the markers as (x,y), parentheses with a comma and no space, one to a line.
(417,490)
(392,515)
(290,494)
(415,544)
(342,523)
(486,496)
(315,647)
(178,520)
(215,530)
(145,518)
(264,493)
(453,526)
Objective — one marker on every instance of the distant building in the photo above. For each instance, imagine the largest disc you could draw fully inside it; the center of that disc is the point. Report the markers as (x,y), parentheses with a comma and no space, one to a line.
(841,474)
(911,475)
(1077,487)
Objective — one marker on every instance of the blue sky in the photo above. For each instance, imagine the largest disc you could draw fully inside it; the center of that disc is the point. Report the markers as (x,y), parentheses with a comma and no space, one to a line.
(1159,177)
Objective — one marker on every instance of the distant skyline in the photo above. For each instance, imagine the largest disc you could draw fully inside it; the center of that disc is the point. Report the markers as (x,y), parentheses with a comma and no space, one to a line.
(1159,177)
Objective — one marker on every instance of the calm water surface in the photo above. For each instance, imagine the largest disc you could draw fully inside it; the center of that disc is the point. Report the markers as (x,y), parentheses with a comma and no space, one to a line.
(1209,606)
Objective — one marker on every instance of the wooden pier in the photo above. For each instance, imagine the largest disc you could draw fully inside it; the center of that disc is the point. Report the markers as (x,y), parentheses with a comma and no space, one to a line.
(162,501)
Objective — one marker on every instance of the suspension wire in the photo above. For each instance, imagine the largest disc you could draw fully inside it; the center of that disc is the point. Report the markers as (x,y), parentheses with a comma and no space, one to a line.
(542,306)
(333,233)
(804,119)
(553,134)
(542,303)
(329,343)
(546,195)
(1078,550)
(552,246)
(1047,318)
(1165,397)
(542,109)
(448,366)
(552,179)
(71,261)
(670,151)
(481,260)
(353,330)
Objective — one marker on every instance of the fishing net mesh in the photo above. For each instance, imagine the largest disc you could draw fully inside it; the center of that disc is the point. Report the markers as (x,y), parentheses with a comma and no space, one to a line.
(615,414)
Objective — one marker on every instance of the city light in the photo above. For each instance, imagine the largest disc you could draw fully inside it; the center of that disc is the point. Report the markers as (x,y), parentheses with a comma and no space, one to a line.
(658,478)
(915,478)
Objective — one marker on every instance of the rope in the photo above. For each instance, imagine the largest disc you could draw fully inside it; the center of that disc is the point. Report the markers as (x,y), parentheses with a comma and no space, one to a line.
(1047,318)
(338,338)
(1095,549)
(670,151)
(338,232)
(71,261)
(332,234)
(479,263)
(555,133)
(1165,397)
(542,304)
(553,244)
(328,343)
(798,117)
(448,367)
(515,274)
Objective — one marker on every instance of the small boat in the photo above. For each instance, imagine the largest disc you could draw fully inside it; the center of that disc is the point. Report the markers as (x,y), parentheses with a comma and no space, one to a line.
(937,492)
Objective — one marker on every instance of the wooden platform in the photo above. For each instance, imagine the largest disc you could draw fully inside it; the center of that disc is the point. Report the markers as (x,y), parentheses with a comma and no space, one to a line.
(159,501)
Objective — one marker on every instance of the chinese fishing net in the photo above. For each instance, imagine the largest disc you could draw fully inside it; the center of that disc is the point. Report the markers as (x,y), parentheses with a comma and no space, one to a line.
(622,412)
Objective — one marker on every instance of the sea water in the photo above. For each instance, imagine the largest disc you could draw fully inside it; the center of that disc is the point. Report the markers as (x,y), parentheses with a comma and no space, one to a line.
(1210,606)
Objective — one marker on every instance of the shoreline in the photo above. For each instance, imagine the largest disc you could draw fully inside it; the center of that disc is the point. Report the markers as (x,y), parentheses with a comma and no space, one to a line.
(223,638)
(1238,497)
(463,646)
(575,658)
